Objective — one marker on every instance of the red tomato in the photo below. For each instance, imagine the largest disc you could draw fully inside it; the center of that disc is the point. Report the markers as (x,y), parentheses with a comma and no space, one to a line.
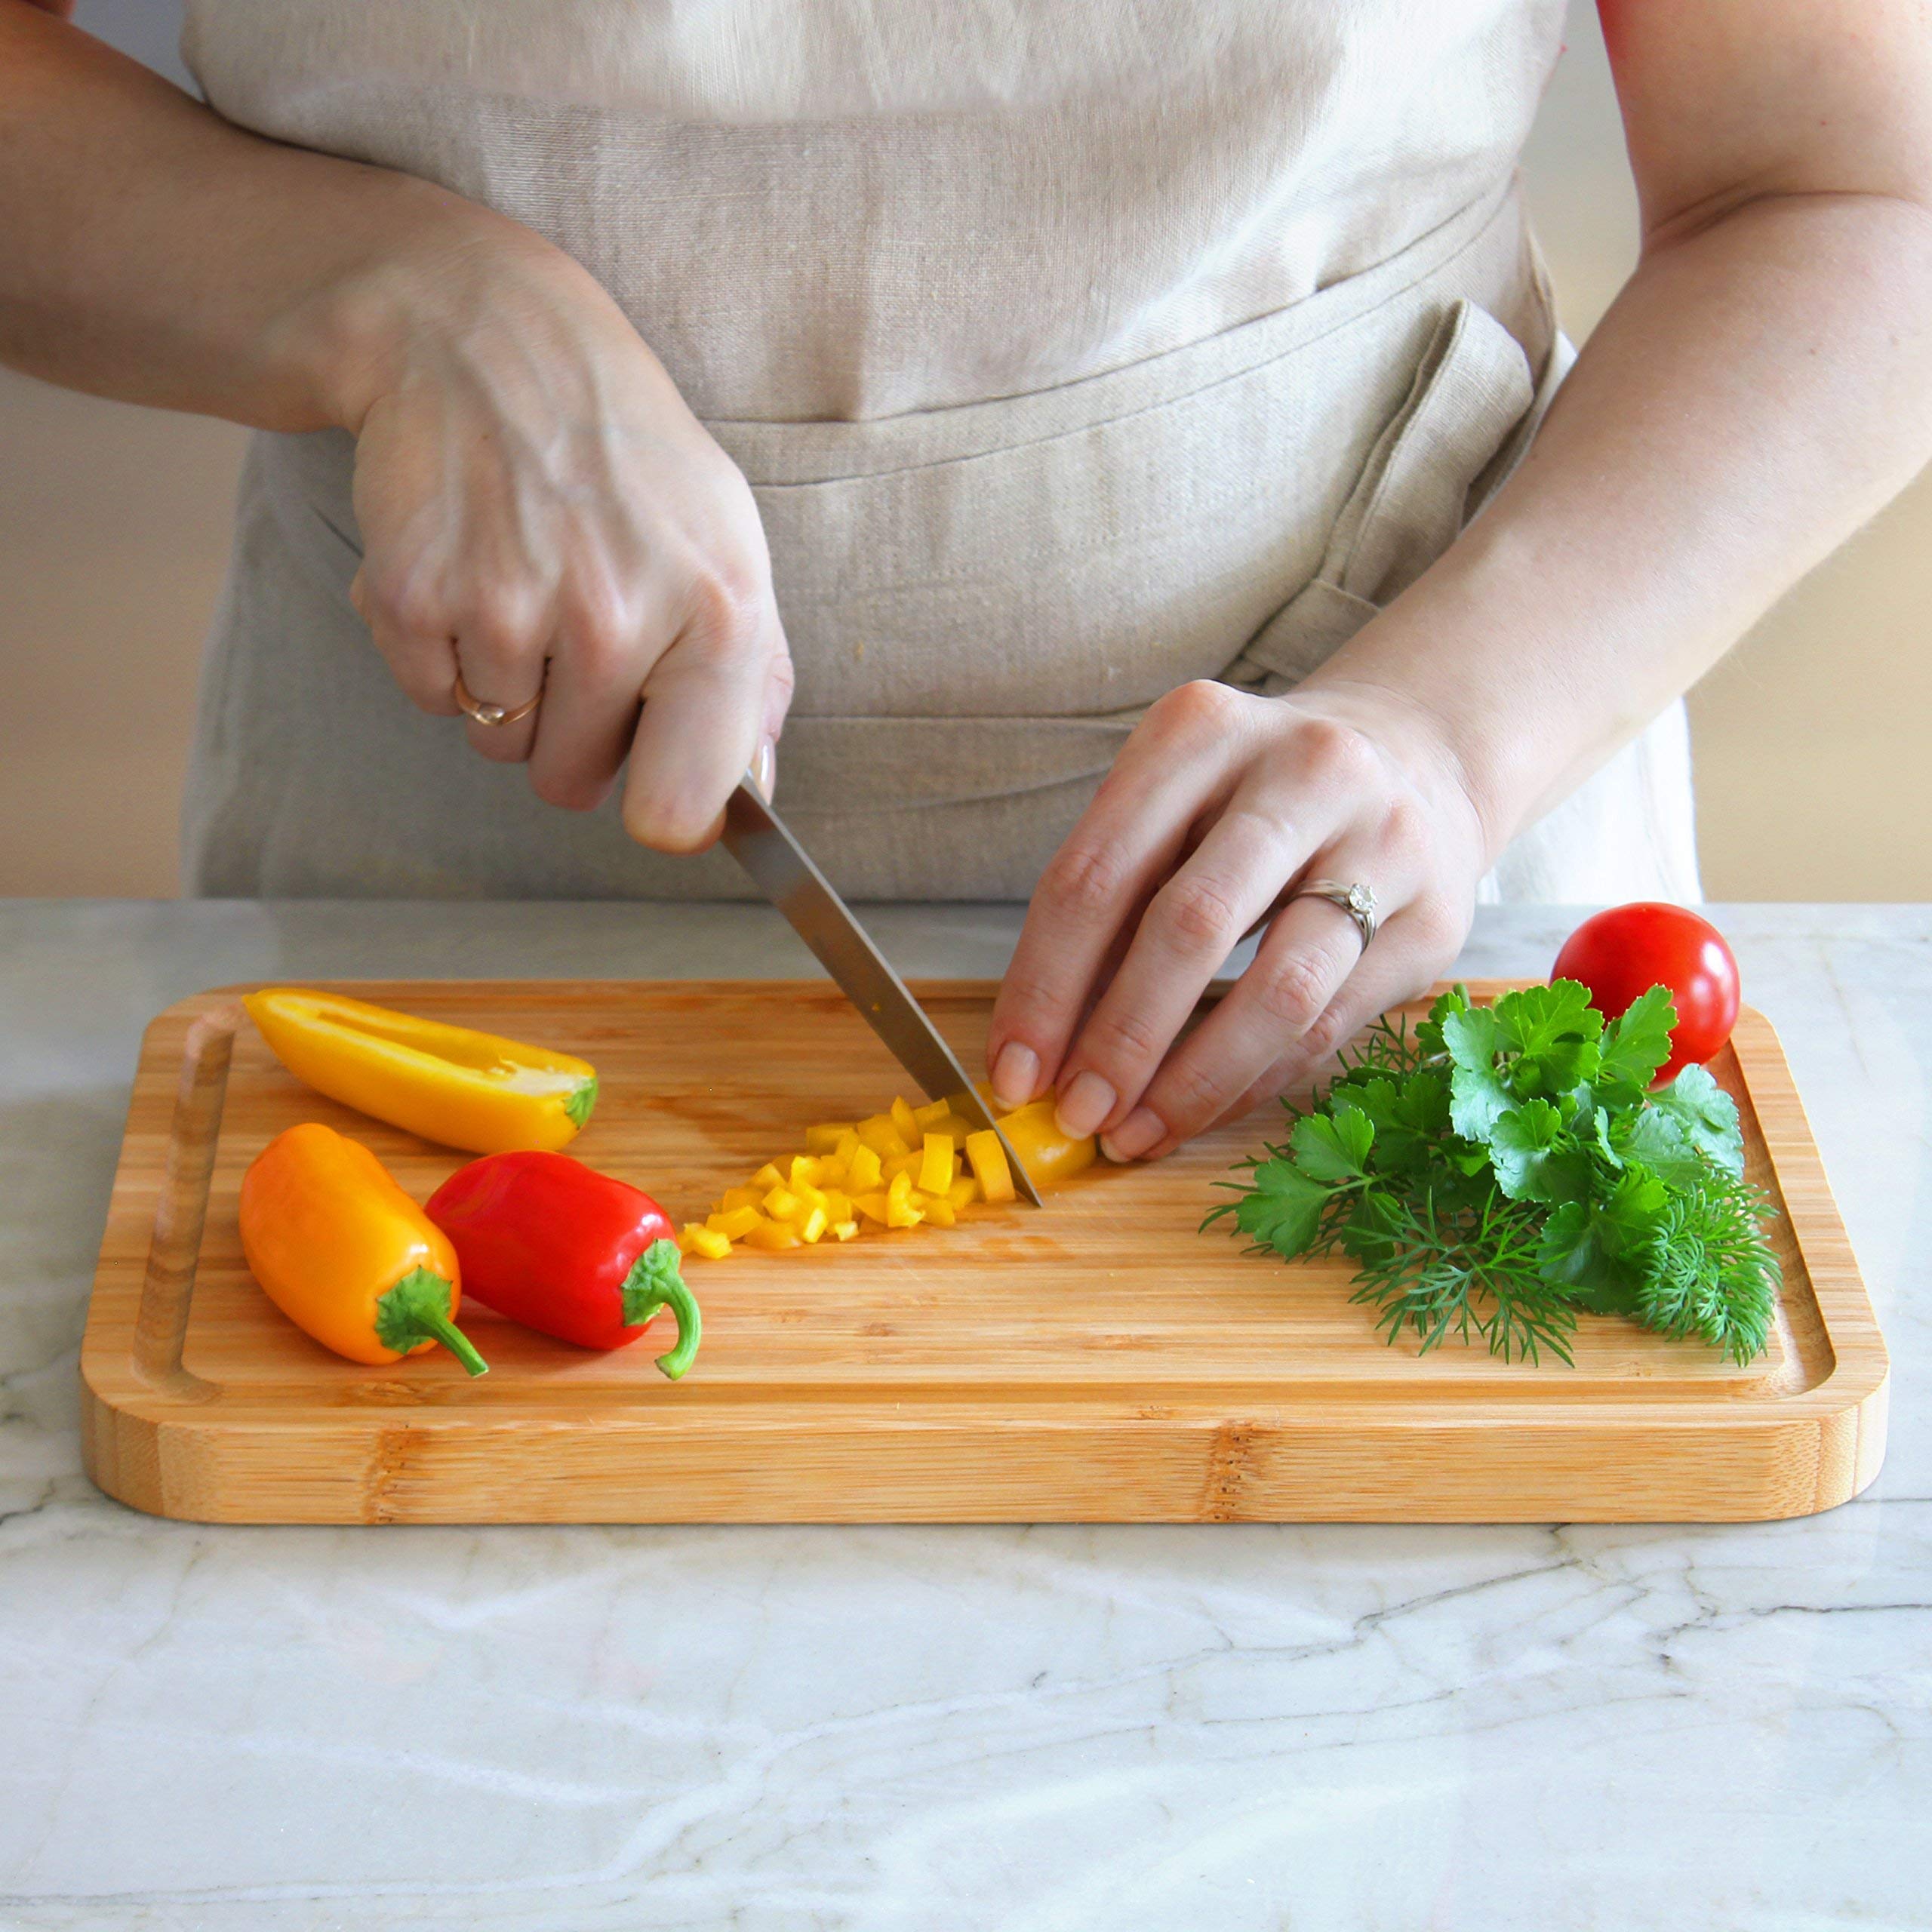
(1626,951)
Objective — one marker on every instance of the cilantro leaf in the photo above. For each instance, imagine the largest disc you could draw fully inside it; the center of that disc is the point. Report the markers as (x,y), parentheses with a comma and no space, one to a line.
(1283,1211)
(1333,1147)
(1552,1031)
(1536,1159)
(1658,1140)
(1708,1115)
(1637,1043)
(1591,1245)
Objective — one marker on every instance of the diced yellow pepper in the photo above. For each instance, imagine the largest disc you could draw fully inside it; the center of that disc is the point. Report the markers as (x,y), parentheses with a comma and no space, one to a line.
(768,1175)
(874,1206)
(931,1114)
(824,1139)
(963,1192)
(881,1136)
(837,1205)
(734,1223)
(735,1197)
(707,1241)
(781,1203)
(936,1164)
(937,1209)
(905,1164)
(989,1165)
(866,1170)
(775,1236)
(849,1144)
(844,1230)
(813,1226)
(811,1201)
(907,1121)
(831,1171)
(899,1211)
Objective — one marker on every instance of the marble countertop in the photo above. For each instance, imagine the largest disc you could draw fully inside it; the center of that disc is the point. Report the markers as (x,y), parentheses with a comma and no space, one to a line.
(1041,1729)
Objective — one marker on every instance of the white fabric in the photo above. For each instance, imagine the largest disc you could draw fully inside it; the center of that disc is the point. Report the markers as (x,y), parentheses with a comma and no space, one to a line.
(1071,354)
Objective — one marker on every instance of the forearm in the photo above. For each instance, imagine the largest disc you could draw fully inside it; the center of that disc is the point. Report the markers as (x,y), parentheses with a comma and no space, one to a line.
(1761,388)
(151,251)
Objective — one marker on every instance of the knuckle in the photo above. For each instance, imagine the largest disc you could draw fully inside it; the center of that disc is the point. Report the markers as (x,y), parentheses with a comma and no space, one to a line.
(1405,827)
(1198,914)
(573,791)
(1202,709)
(1189,1096)
(727,607)
(1085,881)
(1328,1033)
(1292,991)
(503,623)
(1334,754)
(1120,1036)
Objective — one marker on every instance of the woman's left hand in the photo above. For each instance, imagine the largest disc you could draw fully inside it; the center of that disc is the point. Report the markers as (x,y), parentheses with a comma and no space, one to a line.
(1216,808)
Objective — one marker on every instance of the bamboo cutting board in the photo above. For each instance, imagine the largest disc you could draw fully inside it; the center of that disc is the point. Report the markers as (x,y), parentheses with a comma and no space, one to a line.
(1098,1360)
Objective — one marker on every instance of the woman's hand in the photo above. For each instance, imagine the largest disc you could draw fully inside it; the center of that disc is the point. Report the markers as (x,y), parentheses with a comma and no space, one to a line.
(541,511)
(1217,806)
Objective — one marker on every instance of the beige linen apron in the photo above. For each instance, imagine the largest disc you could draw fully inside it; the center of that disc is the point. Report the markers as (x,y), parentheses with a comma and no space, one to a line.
(1060,380)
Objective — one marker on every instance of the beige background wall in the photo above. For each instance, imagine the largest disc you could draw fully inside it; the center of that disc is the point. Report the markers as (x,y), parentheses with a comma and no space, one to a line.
(1813,782)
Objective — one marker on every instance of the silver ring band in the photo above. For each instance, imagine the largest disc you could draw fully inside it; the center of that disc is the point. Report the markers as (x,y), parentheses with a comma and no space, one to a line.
(1357,901)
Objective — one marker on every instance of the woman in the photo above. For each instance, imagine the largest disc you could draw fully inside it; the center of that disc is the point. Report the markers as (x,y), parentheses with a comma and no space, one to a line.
(1091,418)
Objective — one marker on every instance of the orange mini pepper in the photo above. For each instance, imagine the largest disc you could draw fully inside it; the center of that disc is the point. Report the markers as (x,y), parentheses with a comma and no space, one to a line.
(451,1085)
(345,1254)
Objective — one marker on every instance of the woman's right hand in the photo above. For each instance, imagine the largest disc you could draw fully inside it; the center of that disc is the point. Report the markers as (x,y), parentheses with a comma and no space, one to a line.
(540,510)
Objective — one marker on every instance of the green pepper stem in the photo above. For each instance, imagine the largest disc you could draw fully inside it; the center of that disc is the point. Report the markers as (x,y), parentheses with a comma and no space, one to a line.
(654,1281)
(417,1309)
(456,1342)
(683,1304)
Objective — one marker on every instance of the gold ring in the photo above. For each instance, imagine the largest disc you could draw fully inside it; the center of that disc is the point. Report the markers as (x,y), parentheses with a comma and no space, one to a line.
(492,714)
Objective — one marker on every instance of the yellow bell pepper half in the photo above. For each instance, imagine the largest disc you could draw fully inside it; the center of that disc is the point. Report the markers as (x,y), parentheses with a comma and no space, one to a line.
(458,1087)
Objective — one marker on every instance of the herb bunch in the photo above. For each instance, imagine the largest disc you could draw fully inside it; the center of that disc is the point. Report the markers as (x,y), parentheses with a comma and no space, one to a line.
(1502,1168)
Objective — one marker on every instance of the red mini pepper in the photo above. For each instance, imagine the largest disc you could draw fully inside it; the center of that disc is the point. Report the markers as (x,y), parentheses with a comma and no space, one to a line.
(566,1250)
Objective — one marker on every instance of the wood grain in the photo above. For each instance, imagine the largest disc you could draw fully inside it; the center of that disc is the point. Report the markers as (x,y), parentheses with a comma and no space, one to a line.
(1098,1360)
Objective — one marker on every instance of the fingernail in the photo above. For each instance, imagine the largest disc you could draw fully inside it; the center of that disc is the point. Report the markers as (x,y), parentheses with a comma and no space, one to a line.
(1140,1130)
(1016,1075)
(764,769)
(1087,1101)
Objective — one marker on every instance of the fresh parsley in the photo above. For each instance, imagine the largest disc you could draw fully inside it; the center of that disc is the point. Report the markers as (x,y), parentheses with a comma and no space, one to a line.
(1503,1168)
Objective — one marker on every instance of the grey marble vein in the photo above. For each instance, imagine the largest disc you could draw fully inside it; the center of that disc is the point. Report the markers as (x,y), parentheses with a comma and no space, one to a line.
(1039,1729)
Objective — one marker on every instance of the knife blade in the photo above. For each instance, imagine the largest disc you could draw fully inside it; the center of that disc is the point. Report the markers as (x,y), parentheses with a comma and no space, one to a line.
(782,870)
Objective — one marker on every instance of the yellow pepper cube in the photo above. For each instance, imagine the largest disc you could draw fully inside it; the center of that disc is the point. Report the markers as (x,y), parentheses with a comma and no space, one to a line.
(963,1192)
(831,1171)
(812,1201)
(802,1172)
(874,1206)
(989,1165)
(907,1121)
(773,1235)
(768,1175)
(901,1210)
(937,1209)
(849,1144)
(837,1205)
(931,1114)
(866,1170)
(936,1164)
(824,1139)
(781,1203)
(707,1241)
(882,1136)
(736,1224)
(904,1163)
(844,1230)
(813,1227)
(735,1197)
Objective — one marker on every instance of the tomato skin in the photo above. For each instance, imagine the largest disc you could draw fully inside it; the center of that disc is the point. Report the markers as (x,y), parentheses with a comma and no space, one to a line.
(1625,951)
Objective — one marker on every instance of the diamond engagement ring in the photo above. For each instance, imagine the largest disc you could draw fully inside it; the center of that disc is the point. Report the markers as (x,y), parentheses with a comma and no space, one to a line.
(1357,901)
(492,714)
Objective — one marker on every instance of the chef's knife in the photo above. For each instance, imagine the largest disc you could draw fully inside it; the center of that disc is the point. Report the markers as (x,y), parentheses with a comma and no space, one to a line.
(782,869)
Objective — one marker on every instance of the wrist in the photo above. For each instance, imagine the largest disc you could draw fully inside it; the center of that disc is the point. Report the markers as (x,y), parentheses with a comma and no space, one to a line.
(434,264)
